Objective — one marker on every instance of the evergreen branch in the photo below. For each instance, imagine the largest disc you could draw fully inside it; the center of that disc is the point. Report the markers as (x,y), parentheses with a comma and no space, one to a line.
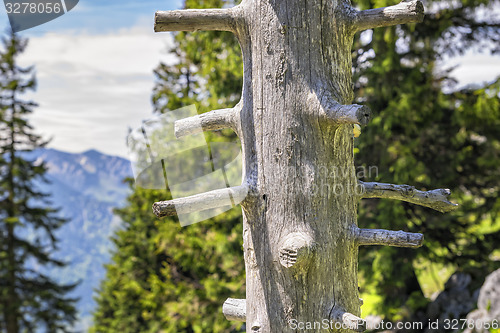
(210,121)
(235,309)
(387,237)
(402,13)
(200,202)
(195,19)
(435,199)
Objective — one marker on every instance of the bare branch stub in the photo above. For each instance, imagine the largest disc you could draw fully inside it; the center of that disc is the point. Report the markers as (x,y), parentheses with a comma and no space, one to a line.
(195,19)
(209,121)
(435,199)
(200,202)
(295,250)
(349,114)
(235,309)
(347,319)
(402,13)
(333,111)
(388,238)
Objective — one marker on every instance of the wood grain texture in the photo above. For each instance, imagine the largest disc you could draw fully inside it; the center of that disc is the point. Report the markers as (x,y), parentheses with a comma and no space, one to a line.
(290,135)
(402,13)
(195,19)
(347,319)
(388,237)
(235,309)
(209,121)
(435,199)
(200,202)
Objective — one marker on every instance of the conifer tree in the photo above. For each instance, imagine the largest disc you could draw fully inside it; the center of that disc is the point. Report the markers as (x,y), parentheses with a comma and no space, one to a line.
(30,300)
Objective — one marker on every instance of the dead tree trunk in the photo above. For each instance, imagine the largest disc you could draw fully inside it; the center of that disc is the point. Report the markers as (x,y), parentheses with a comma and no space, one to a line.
(295,122)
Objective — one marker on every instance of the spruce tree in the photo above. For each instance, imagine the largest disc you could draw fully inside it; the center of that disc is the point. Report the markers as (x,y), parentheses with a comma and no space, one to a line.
(30,300)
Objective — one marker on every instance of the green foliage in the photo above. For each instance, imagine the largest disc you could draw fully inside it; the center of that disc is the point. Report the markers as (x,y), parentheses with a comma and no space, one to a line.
(29,299)
(165,278)
(425,137)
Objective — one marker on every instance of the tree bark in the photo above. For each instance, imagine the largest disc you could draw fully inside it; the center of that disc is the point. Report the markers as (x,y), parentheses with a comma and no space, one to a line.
(297,74)
(295,122)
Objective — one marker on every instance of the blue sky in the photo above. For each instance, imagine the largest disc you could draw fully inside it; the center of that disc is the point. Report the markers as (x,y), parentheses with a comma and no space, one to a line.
(94,68)
(100,16)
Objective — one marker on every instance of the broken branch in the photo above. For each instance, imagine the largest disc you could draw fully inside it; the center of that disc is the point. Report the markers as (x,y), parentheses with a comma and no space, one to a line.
(402,13)
(331,110)
(388,237)
(349,114)
(210,121)
(235,309)
(195,19)
(199,202)
(435,199)
(347,319)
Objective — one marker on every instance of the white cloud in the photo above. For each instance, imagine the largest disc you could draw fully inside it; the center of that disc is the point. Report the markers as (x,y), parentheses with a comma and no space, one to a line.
(92,88)
(476,68)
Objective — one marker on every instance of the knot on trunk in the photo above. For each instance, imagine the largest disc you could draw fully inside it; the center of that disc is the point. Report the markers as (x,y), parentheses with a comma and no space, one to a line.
(296,250)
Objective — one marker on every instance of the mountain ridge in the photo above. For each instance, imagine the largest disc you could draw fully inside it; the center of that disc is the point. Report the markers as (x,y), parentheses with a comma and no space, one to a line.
(86,187)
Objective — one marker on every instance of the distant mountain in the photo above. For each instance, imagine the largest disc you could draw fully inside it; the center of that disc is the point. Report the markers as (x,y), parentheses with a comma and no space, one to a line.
(87,187)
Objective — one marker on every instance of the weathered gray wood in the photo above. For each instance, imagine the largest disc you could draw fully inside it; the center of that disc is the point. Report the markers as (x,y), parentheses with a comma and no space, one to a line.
(388,237)
(235,309)
(346,319)
(209,121)
(295,250)
(435,199)
(352,114)
(331,110)
(201,202)
(402,13)
(291,130)
(195,19)
(295,125)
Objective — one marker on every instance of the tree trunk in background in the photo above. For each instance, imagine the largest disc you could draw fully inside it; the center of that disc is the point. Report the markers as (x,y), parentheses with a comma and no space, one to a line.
(295,122)
(12,302)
